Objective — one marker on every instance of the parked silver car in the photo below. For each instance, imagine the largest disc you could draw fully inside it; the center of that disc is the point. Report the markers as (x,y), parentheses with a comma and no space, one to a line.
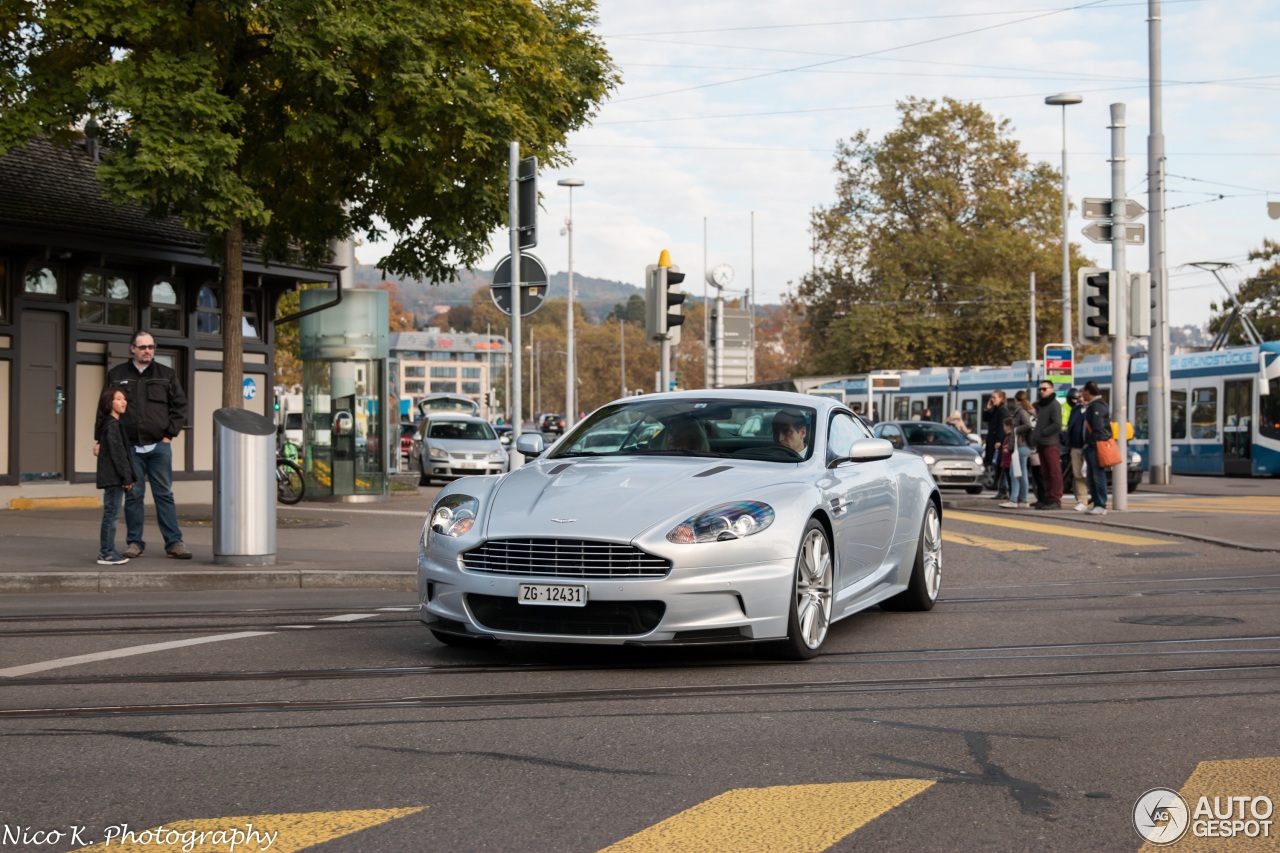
(951,459)
(451,446)
(661,520)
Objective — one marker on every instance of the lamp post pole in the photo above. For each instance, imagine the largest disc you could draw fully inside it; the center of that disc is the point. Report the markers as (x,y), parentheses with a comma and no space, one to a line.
(570,360)
(1065,100)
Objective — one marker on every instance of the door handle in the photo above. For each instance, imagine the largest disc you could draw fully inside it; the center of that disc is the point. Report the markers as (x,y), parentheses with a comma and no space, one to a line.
(58,400)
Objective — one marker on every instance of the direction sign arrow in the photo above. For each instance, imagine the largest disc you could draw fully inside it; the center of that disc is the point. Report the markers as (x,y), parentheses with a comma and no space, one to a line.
(1135,233)
(1100,208)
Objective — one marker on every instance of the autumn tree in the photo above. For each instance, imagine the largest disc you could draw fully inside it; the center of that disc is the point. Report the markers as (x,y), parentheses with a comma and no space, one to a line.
(927,251)
(288,125)
(1258,296)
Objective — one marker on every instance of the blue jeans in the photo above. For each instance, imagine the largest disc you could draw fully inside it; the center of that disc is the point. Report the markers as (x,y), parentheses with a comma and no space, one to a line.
(1097,477)
(1020,490)
(110,512)
(155,467)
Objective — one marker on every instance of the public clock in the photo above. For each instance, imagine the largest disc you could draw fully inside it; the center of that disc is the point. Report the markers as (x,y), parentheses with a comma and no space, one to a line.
(720,276)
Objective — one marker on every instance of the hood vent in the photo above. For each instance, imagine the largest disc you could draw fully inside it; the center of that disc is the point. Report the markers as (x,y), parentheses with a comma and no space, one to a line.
(559,468)
(715,470)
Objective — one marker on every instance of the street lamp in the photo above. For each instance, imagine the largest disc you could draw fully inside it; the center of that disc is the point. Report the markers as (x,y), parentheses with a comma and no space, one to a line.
(570,366)
(1064,100)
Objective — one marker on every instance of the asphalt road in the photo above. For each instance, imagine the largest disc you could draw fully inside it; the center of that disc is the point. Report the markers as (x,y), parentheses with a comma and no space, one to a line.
(1061,676)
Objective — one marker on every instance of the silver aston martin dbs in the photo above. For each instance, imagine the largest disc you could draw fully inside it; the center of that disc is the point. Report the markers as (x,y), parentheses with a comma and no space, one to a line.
(692,517)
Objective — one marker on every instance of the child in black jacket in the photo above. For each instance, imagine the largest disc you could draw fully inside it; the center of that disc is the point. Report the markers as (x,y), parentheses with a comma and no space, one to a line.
(115,471)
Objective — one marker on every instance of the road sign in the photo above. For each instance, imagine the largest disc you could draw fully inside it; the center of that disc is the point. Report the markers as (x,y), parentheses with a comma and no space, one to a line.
(1100,208)
(1059,366)
(1135,233)
(533,285)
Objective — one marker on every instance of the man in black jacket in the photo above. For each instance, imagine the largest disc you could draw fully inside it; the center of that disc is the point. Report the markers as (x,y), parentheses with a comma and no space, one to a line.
(157,412)
(995,415)
(1045,442)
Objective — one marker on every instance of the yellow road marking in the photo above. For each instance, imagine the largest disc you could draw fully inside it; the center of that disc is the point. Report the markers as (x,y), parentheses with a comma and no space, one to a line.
(990,544)
(1242,777)
(279,833)
(1231,505)
(785,819)
(1094,533)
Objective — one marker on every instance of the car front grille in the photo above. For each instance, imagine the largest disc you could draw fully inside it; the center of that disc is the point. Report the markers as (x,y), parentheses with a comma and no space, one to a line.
(568,558)
(596,619)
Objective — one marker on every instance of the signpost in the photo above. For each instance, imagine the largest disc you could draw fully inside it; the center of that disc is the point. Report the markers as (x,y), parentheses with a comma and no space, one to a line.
(533,285)
(1135,234)
(881,382)
(1059,367)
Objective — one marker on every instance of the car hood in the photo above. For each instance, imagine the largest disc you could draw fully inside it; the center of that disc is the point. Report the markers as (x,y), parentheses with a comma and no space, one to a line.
(589,498)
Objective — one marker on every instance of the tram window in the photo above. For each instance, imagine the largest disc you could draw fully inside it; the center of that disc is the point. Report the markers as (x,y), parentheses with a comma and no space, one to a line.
(1140,415)
(1204,413)
(1269,411)
(1178,415)
(902,408)
(969,412)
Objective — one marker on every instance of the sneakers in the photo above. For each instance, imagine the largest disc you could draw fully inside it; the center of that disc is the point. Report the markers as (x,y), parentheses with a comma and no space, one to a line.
(133,550)
(1009,505)
(1024,505)
(111,558)
(179,552)
(1048,505)
(1097,510)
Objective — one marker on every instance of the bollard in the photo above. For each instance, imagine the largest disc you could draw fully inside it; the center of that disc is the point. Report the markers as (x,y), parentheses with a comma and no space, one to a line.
(244,489)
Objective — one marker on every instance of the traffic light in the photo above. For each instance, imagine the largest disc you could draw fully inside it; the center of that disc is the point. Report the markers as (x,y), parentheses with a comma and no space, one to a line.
(1097,303)
(662,304)
(1142,304)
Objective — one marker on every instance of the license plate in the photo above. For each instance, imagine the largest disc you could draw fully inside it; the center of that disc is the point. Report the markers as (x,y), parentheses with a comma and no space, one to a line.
(559,595)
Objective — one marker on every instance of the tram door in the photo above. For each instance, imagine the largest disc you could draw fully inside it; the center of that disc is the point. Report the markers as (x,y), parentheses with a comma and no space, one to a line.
(1237,427)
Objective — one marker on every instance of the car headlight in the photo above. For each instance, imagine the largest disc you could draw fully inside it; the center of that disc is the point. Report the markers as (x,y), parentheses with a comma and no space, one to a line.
(438,453)
(497,456)
(723,522)
(454,515)
(929,459)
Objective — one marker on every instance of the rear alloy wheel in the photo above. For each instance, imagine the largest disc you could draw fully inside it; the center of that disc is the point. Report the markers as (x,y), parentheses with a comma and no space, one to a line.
(809,615)
(926,575)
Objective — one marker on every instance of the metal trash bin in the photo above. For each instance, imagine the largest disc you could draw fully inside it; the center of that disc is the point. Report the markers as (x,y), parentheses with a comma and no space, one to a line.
(244,489)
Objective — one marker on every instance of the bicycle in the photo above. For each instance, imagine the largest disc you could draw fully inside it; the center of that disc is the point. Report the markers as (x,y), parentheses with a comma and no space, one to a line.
(291,486)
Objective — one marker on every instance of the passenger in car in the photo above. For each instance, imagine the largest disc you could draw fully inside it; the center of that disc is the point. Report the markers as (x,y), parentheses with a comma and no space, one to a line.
(685,434)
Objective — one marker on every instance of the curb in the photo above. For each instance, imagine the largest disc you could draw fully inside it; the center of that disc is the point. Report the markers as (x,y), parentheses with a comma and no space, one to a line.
(69,502)
(49,582)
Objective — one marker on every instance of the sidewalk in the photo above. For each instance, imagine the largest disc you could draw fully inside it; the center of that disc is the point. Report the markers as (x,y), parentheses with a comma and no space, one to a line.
(374,545)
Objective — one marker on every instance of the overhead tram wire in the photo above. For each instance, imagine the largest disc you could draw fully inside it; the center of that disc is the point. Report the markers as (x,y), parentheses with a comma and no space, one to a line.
(920,43)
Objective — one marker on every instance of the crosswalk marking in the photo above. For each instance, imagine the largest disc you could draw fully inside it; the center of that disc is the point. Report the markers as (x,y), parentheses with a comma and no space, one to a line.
(786,819)
(1242,777)
(1093,533)
(989,544)
(279,833)
(1225,504)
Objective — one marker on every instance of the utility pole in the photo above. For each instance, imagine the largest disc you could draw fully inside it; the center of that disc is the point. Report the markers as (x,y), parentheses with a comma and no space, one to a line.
(513,213)
(1159,449)
(1120,344)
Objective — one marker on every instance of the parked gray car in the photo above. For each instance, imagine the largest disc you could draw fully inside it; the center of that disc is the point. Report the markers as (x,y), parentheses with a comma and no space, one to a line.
(951,459)
(451,446)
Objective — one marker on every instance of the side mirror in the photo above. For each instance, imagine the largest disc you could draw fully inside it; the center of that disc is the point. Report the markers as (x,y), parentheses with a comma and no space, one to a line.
(865,450)
(530,444)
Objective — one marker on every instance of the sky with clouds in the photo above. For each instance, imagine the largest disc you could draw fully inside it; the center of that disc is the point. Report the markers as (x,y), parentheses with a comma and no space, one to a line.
(730,110)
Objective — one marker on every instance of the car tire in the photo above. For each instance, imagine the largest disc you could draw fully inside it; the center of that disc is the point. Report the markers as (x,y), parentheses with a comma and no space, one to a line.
(462,641)
(973,490)
(423,479)
(812,585)
(926,574)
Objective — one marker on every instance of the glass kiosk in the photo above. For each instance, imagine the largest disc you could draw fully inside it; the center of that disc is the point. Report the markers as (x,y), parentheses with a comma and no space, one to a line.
(344,378)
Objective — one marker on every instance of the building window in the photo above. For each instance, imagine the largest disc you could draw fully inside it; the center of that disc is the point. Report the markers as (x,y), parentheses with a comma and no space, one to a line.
(165,307)
(469,356)
(470,387)
(415,387)
(106,299)
(417,371)
(444,372)
(40,281)
(249,323)
(440,355)
(208,311)
(444,387)
(471,372)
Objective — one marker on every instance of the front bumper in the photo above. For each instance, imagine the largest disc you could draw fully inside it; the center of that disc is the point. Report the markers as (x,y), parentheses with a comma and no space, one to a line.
(949,473)
(722,603)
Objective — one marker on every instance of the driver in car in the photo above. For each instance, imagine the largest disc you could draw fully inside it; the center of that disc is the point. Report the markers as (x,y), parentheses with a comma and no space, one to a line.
(790,430)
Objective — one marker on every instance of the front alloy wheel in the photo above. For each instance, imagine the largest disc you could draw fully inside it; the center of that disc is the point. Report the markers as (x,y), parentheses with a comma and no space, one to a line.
(810,611)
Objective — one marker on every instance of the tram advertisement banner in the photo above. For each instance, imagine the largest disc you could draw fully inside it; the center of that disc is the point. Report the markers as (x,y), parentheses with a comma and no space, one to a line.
(1059,360)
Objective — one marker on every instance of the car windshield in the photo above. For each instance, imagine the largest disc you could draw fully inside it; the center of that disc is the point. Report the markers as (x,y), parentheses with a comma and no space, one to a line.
(938,435)
(464,430)
(694,426)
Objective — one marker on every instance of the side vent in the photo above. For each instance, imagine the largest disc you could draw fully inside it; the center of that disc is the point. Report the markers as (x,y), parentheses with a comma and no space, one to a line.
(715,470)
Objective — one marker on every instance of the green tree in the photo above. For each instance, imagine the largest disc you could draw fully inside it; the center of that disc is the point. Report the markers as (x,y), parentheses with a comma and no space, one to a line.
(926,253)
(1258,295)
(292,124)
